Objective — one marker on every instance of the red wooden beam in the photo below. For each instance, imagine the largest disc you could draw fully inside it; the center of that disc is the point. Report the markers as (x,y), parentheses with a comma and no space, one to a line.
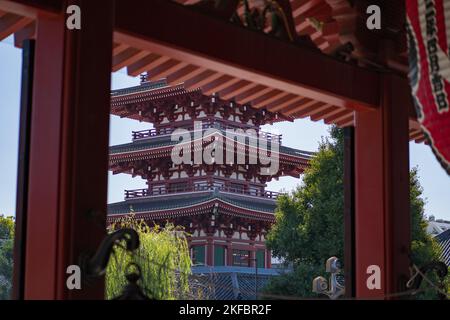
(147,63)
(31,8)
(182,33)
(382,194)
(219,84)
(11,23)
(29,32)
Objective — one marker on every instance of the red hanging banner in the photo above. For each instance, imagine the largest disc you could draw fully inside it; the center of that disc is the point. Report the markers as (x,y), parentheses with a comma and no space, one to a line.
(429,59)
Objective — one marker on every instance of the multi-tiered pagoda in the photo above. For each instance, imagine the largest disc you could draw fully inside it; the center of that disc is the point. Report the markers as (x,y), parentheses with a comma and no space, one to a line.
(225,206)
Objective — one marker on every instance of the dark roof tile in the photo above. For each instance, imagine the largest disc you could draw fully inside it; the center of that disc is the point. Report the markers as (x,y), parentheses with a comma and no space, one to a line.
(444,241)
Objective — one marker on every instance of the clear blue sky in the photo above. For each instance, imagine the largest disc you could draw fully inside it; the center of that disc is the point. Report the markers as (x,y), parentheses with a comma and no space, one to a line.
(302,134)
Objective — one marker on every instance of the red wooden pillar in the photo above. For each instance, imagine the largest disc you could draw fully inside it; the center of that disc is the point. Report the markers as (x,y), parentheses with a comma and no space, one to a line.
(382,221)
(252,257)
(69,149)
(229,253)
(268,258)
(209,251)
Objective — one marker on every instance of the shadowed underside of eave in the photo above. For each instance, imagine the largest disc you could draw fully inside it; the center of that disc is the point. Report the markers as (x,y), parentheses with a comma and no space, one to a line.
(305,13)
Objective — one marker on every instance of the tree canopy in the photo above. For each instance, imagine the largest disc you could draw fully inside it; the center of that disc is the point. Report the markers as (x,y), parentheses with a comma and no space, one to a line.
(309,224)
(6,255)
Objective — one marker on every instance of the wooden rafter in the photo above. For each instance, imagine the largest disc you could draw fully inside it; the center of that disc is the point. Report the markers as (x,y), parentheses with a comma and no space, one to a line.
(11,23)
(146,63)
(127,57)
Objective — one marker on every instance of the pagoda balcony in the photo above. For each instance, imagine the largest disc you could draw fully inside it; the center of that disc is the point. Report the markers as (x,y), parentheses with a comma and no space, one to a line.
(144,134)
(142,193)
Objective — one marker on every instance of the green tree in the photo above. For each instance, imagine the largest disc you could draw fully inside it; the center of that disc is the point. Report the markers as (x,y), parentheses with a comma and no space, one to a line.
(309,224)
(163,257)
(6,256)
(423,247)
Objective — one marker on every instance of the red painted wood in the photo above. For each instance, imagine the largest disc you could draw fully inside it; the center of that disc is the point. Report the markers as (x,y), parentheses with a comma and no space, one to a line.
(181,34)
(382,219)
(172,30)
(268,258)
(396,159)
(369,200)
(32,8)
(68,171)
(229,253)
(252,257)
(43,211)
(209,251)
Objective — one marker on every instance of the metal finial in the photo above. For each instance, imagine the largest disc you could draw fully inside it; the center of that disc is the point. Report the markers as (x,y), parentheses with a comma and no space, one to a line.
(144,77)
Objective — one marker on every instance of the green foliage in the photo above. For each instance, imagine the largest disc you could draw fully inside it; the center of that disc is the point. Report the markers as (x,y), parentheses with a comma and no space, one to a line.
(297,283)
(424,247)
(164,259)
(6,256)
(6,227)
(309,224)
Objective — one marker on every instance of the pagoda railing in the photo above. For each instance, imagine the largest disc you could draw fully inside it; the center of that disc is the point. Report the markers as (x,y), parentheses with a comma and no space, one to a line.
(140,193)
(143,134)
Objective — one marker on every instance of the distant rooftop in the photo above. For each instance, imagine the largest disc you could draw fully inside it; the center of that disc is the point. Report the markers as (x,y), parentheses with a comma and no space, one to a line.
(144,86)
(444,241)
(438,226)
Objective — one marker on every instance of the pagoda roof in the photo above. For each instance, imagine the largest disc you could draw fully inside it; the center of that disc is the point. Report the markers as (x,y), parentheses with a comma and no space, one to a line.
(194,203)
(143,144)
(144,86)
(336,17)
(164,141)
(158,92)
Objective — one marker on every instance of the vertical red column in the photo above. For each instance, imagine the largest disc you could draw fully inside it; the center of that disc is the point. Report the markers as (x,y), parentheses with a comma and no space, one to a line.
(382,194)
(209,251)
(369,201)
(69,149)
(229,253)
(252,256)
(268,258)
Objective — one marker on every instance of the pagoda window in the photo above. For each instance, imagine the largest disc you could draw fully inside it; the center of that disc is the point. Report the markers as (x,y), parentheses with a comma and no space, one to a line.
(241,258)
(159,189)
(219,255)
(200,185)
(178,186)
(165,130)
(260,258)
(183,174)
(255,191)
(237,187)
(219,184)
(198,255)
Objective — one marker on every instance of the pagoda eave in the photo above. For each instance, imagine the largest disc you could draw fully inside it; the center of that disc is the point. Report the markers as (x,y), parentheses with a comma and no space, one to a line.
(223,207)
